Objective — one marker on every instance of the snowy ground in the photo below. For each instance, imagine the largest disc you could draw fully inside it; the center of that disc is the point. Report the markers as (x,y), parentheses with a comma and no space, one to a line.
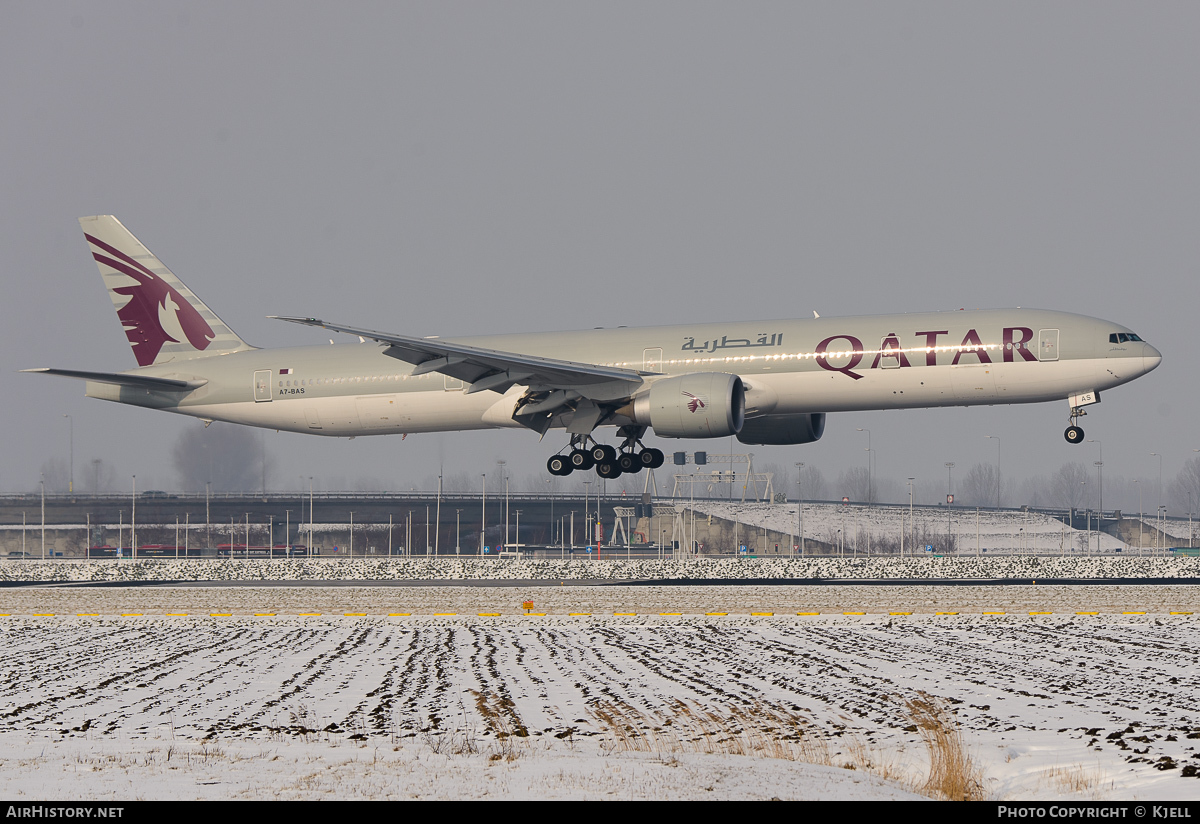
(650,706)
(1018,532)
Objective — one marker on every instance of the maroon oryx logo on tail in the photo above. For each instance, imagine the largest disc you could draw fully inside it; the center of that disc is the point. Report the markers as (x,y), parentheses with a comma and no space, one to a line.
(154,307)
(695,403)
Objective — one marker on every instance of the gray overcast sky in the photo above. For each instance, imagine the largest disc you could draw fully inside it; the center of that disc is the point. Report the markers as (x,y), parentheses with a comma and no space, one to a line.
(452,168)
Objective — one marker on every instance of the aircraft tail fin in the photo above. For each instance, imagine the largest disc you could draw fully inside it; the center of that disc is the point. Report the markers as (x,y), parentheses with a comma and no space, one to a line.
(163,319)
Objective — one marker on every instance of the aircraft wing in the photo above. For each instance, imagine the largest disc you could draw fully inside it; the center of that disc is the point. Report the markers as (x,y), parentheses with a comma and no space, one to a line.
(126,379)
(554,384)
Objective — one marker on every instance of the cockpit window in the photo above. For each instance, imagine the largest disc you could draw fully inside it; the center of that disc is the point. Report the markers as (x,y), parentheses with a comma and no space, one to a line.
(1123,337)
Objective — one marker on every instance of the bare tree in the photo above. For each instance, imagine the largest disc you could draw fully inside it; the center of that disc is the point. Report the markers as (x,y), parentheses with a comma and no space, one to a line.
(981,486)
(1067,485)
(56,474)
(812,484)
(231,457)
(1185,489)
(99,476)
(855,483)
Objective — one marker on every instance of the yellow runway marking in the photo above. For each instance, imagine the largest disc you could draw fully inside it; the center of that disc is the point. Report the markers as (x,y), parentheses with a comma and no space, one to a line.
(579,614)
(1181,613)
(444,614)
(1041,613)
(854,613)
(131,615)
(668,613)
(995,613)
(359,614)
(264,615)
(762,613)
(88,614)
(220,615)
(716,613)
(899,613)
(490,614)
(945,613)
(625,613)
(1087,613)
(808,613)
(399,614)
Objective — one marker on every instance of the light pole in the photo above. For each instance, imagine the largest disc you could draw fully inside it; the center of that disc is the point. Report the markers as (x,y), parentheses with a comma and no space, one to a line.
(71,482)
(800,505)
(1099,473)
(43,483)
(1158,522)
(457,532)
(910,518)
(437,526)
(133,523)
(310,516)
(483,515)
(996,438)
(587,524)
(869,473)
(504,477)
(1139,486)
(550,495)
(949,498)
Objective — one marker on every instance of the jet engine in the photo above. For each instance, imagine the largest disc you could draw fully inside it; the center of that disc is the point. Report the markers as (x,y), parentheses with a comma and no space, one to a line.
(783,430)
(699,405)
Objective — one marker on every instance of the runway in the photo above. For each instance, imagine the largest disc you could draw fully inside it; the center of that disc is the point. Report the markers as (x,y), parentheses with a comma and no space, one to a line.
(242,599)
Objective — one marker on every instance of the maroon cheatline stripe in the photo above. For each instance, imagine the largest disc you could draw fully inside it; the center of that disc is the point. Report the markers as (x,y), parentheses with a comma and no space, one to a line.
(118,253)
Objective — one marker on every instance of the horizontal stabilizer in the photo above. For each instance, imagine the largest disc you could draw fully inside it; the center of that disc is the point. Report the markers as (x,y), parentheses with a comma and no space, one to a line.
(125,379)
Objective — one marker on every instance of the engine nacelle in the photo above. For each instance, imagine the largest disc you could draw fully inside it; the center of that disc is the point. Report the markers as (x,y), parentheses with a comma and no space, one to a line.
(699,405)
(783,430)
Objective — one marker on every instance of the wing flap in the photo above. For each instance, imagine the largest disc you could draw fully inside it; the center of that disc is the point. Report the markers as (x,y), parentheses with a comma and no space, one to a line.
(496,369)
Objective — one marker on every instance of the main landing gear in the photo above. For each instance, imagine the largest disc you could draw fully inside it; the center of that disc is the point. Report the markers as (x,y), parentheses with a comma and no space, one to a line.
(585,453)
(1074,434)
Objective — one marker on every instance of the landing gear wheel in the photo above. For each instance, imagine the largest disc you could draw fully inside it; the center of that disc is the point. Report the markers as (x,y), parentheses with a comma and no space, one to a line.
(608,470)
(651,458)
(1073,434)
(580,459)
(629,463)
(559,465)
(603,452)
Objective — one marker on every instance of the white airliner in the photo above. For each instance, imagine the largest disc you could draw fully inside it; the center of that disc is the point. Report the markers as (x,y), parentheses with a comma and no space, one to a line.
(766,382)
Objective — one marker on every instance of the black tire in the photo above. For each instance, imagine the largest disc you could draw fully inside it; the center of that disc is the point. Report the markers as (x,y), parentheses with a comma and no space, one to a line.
(651,458)
(603,452)
(559,465)
(608,470)
(580,459)
(629,463)
(1073,434)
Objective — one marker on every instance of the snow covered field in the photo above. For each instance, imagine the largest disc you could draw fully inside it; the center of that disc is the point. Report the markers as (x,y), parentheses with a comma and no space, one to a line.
(602,706)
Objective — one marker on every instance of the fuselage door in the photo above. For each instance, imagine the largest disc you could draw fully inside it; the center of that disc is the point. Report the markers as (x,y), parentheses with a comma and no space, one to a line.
(1048,345)
(889,353)
(262,385)
(652,360)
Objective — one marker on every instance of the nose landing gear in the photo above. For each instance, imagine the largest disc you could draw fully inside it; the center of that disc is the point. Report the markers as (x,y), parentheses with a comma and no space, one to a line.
(585,453)
(1074,434)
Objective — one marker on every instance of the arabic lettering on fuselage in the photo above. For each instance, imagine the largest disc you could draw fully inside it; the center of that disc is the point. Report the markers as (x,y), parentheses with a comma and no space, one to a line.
(727,342)
(1014,345)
